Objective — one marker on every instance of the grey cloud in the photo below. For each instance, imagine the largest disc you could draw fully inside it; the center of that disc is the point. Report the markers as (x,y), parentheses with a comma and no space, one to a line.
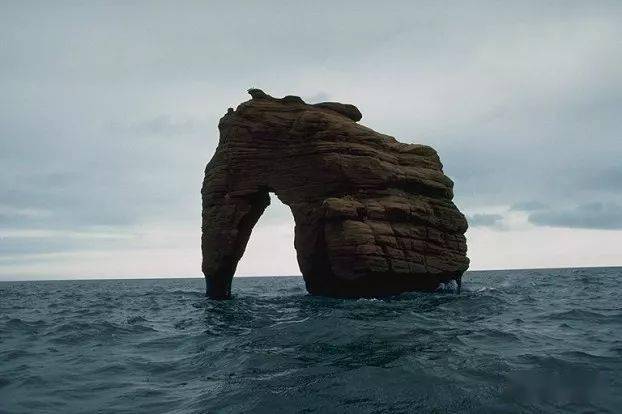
(607,216)
(16,246)
(105,192)
(485,220)
(602,178)
(20,218)
(318,97)
(528,206)
(69,200)
(164,125)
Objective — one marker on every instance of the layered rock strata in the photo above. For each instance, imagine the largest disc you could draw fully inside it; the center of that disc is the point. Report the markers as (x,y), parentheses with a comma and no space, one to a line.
(373,216)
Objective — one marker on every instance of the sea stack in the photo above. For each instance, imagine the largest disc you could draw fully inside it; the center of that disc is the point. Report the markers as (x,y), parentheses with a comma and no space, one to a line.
(374,216)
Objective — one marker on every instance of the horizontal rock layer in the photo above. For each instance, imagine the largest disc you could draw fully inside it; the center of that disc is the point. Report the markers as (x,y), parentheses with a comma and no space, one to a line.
(373,216)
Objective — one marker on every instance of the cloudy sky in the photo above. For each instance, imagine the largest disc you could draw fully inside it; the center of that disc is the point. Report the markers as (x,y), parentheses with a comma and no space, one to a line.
(109,112)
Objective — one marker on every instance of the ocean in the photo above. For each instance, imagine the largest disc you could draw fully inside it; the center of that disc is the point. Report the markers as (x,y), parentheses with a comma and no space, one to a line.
(513,341)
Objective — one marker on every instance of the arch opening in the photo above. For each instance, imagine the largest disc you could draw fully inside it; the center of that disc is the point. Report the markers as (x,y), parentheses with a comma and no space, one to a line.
(270,250)
(233,219)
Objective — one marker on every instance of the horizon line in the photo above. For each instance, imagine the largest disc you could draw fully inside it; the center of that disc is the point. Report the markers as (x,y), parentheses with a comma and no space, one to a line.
(86,278)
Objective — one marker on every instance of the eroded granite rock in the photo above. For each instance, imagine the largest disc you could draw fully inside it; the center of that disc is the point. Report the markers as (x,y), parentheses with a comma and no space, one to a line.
(373,216)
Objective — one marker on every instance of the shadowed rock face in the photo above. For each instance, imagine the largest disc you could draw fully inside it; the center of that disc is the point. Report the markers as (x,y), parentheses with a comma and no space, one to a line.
(373,216)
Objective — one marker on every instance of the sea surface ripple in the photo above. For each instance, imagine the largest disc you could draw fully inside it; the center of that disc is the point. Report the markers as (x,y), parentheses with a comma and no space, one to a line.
(513,341)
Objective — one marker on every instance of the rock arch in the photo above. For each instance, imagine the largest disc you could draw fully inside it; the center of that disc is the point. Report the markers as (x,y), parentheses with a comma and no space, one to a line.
(373,216)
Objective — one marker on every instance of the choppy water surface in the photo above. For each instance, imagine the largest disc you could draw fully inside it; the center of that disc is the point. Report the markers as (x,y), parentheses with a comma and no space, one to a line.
(513,341)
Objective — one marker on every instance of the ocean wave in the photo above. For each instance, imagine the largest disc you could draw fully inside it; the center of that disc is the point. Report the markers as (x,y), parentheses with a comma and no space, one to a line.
(520,341)
(580,315)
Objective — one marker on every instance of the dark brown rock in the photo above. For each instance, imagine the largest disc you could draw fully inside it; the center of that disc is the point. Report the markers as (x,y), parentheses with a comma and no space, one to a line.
(348,110)
(373,216)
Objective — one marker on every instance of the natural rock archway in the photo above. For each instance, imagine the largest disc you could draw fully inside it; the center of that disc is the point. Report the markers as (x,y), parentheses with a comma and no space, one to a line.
(373,216)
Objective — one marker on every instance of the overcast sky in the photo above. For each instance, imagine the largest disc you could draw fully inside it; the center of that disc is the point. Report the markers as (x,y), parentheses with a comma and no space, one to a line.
(109,113)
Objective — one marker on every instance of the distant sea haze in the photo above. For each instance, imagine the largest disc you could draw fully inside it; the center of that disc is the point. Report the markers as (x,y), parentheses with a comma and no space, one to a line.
(512,341)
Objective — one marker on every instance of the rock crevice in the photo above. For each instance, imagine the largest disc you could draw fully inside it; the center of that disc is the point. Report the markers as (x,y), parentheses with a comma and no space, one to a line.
(373,216)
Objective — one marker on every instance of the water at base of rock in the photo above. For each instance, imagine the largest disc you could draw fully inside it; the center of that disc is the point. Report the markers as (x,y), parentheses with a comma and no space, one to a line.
(513,341)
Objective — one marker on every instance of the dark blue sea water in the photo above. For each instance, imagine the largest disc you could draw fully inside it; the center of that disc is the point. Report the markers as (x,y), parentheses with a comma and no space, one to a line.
(513,341)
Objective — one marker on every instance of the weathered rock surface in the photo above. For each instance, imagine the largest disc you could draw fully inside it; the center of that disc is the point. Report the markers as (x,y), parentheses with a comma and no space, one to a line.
(373,216)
